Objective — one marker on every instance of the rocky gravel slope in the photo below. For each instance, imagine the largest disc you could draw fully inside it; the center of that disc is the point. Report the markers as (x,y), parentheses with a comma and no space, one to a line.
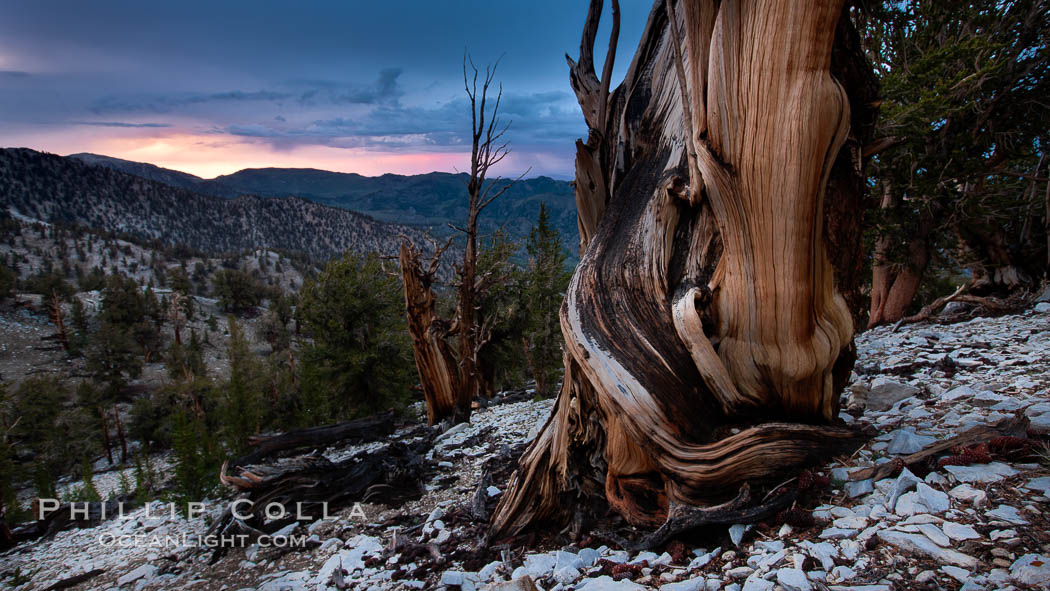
(981,522)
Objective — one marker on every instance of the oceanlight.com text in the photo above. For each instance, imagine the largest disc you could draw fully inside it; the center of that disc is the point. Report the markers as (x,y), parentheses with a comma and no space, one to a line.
(199,541)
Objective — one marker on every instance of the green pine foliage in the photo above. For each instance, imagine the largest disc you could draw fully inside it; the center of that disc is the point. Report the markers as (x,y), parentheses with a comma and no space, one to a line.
(10,472)
(56,433)
(242,402)
(546,279)
(86,492)
(8,280)
(965,87)
(359,360)
(237,291)
(502,310)
(198,457)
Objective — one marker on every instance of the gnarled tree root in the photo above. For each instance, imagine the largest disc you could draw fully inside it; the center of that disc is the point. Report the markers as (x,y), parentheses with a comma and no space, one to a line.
(547,483)
(682,519)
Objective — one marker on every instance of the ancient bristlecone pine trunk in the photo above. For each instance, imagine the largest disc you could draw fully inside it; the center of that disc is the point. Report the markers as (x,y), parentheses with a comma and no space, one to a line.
(453,375)
(440,373)
(709,325)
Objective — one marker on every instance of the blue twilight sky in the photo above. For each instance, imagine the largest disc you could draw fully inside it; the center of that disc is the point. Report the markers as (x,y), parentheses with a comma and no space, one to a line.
(370,87)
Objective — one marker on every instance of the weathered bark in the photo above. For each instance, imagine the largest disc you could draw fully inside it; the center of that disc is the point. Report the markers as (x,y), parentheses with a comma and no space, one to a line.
(75,580)
(371,428)
(706,338)
(894,284)
(313,485)
(176,316)
(120,435)
(439,373)
(453,377)
(55,314)
(105,435)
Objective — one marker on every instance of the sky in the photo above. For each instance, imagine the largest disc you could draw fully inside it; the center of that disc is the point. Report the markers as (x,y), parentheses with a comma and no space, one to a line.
(211,87)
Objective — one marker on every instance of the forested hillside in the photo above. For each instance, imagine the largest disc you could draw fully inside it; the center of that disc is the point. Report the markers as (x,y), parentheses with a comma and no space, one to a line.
(62,190)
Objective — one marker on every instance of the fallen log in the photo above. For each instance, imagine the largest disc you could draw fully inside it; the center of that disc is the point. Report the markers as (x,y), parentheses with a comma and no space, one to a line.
(76,579)
(932,308)
(684,518)
(367,429)
(1015,426)
(64,517)
(311,487)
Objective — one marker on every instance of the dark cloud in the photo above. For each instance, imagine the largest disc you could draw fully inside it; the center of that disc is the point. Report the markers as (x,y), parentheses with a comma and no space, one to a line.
(329,72)
(539,118)
(119,124)
(166,104)
(385,90)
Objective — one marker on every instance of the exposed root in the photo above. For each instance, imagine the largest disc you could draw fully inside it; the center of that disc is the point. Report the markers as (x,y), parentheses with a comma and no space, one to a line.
(683,518)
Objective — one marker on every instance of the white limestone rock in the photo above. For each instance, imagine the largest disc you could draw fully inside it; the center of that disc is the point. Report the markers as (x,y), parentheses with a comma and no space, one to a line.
(993,472)
(959,531)
(793,579)
(921,544)
(1031,570)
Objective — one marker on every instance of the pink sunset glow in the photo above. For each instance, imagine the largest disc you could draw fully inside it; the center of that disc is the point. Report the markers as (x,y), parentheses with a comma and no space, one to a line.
(211,155)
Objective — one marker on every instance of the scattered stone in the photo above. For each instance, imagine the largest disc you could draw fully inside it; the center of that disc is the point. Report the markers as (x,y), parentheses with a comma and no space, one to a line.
(1002,534)
(934,500)
(736,533)
(1006,513)
(885,392)
(1041,485)
(823,552)
(965,492)
(958,392)
(993,472)
(757,584)
(697,584)
(588,557)
(935,534)
(959,574)
(859,488)
(837,533)
(905,482)
(905,441)
(566,575)
(540,565)
(923,545)
(606,583)
(519,584)
(770,545)
(1031,570)
(925,576)
(840,574)
(740,572)
(793,579)
(145,571)
(452,577)
(960,532)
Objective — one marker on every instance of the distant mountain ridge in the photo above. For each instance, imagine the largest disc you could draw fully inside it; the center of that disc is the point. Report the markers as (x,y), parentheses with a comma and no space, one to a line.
(434,199)
(67,190)
(153,172)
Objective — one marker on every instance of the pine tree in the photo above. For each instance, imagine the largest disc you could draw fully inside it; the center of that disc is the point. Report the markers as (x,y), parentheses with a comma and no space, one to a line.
(197,457)
(242,402)
(359,360)
(505,316)
(545,281)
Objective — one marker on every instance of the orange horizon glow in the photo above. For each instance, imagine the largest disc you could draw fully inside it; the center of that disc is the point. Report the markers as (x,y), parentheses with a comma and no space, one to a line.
(208,156)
